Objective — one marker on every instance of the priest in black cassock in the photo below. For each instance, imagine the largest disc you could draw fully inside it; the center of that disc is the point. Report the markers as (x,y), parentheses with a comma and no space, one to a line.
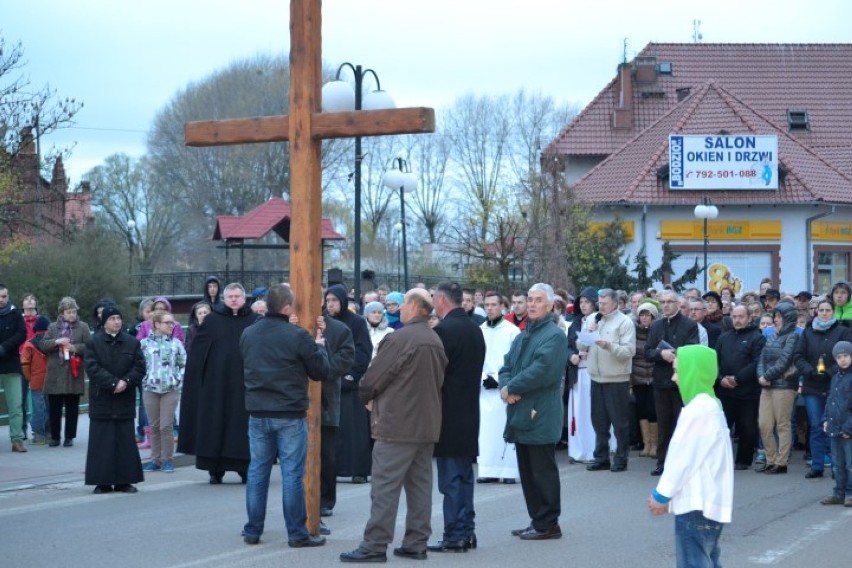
(213,417)
(115,366)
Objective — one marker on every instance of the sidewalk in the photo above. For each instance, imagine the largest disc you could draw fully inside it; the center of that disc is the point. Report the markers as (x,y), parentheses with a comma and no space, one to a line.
(43,465)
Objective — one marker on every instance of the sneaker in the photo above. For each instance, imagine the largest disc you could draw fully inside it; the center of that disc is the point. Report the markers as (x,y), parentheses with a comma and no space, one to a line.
(168,467)
(761,456)
(38,440)
(835,500)
(151,466)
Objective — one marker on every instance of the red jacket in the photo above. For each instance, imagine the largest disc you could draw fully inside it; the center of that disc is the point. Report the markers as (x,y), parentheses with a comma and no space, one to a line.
(34,364)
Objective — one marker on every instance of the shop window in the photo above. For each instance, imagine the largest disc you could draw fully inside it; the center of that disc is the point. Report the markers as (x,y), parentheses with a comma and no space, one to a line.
(832,267)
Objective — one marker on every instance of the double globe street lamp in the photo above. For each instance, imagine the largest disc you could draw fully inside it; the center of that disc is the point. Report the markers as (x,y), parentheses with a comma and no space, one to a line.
(401,179)
(706,211)
(339,96)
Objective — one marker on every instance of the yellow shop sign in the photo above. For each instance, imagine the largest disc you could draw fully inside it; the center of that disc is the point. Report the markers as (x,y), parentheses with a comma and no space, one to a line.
(721,230)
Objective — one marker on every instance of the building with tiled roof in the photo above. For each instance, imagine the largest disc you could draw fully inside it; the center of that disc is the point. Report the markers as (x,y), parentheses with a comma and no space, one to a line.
(615,154)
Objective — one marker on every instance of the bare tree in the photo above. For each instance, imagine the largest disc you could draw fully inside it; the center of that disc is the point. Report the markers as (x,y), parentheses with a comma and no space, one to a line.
(498,253)
(133,204)
(478,130)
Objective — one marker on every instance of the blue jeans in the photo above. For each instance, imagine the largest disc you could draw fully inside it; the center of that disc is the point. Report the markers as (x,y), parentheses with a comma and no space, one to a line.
(818,439)
(40,421)
(697,541)
(455,482)
(286,438)
(841,465)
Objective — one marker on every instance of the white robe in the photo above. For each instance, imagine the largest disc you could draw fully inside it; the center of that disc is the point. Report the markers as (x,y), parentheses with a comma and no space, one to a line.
(497,457)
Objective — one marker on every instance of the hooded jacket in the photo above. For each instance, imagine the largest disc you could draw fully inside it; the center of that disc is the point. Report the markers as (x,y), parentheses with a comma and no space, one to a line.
(699,468)
(217,301)
(360,336)
(816,343)
(776,360)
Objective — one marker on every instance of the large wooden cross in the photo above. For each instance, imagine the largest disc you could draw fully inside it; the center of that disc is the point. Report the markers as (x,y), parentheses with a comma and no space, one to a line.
(305,128)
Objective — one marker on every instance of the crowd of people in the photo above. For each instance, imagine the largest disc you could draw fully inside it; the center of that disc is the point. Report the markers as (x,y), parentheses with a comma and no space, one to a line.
(481,382)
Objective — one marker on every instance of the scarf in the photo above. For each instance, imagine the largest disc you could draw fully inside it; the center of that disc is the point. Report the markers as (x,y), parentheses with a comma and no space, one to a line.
(820,325)
(715,317)
(66,328)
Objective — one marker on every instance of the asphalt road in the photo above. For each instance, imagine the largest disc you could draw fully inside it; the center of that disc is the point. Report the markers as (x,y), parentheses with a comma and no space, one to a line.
(178,520)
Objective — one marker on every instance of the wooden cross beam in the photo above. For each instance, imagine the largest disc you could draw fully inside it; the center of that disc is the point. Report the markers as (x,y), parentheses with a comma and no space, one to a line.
(305,128)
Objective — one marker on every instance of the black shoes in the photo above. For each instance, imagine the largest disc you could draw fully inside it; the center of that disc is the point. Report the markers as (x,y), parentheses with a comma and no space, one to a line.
(487,480)
(216,477)
(449,546)
(509,480)
(619,467)
(126,488)
(101,489)
(741,466)
(776,469)
(412,554)
(325,512)
(657,471)
(363,555)
(519,532)
(68,442)
(471,541)
(598,466)
(324,530)
(812,474)
(359,479)
(53,443)
(251,538)
(308,541)
(534,534)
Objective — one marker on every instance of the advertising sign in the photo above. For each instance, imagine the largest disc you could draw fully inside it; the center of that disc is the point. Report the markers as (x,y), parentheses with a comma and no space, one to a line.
(708,162)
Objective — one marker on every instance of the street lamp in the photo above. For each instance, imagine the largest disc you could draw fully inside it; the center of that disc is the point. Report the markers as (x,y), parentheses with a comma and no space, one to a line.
(131,226)
(401,179)
(338,96)
(706,211)
(398,230)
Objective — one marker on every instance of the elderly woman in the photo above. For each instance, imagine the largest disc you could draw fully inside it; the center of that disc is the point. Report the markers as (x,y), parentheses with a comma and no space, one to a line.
(377,323)
(65,345)
(816,365)
(777,374)
(641,380)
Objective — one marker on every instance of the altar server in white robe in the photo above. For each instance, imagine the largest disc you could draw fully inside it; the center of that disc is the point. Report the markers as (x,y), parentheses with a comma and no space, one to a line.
(497,459)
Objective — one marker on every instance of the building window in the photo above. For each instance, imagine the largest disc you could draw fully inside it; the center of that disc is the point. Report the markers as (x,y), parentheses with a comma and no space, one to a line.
(798,119)
(832,267)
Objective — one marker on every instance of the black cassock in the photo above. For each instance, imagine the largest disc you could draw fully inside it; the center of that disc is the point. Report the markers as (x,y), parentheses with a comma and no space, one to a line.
(213,417)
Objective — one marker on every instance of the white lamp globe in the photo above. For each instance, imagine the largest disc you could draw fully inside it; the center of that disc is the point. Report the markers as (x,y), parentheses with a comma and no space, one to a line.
(393,179)
(338,96)
(377,100)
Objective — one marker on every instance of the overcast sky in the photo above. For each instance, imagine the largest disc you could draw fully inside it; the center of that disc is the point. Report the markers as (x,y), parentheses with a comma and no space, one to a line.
(126,60)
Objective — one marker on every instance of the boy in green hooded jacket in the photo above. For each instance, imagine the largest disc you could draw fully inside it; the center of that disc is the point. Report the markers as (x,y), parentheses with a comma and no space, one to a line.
(697,484)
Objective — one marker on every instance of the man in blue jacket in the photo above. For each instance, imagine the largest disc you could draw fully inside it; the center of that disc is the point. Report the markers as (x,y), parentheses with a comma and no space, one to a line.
(531,384)
(278,360)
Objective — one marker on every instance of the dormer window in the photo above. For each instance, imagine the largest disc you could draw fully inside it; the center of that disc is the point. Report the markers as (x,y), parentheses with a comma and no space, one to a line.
(797,119)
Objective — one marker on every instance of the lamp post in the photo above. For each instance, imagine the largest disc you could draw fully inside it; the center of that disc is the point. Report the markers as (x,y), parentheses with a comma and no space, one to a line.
(398,230)
(706,211)
(131,226)
(338,96)
(401,179)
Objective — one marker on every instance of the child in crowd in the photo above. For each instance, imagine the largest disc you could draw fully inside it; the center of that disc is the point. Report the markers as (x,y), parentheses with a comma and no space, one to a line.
(34,369)
(838,425)
(697,484)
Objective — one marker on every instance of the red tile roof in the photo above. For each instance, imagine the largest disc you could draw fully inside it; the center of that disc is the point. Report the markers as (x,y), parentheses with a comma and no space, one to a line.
(274,215)
(771,78)
(630,175)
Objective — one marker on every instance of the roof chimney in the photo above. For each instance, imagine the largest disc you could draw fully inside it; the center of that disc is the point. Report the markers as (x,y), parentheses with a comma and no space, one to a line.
(623,114)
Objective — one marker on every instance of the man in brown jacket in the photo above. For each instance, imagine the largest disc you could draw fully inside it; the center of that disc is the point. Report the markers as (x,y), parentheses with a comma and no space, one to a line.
(402,389)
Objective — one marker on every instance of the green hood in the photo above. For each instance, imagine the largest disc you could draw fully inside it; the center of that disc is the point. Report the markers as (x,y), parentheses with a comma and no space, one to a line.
(696,371)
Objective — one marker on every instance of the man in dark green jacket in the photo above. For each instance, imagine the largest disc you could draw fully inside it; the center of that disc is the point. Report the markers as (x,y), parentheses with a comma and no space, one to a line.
(531,384)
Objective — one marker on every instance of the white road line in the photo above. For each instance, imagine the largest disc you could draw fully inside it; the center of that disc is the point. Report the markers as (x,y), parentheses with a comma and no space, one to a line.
(72,501)
(808,536)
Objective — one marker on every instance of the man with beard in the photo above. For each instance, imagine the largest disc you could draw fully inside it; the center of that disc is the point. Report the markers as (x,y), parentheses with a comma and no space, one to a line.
(671,331)
(353,436)
(213,417)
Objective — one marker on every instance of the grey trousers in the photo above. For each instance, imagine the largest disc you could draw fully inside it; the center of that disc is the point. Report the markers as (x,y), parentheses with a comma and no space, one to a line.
(398,465)
(611,406)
